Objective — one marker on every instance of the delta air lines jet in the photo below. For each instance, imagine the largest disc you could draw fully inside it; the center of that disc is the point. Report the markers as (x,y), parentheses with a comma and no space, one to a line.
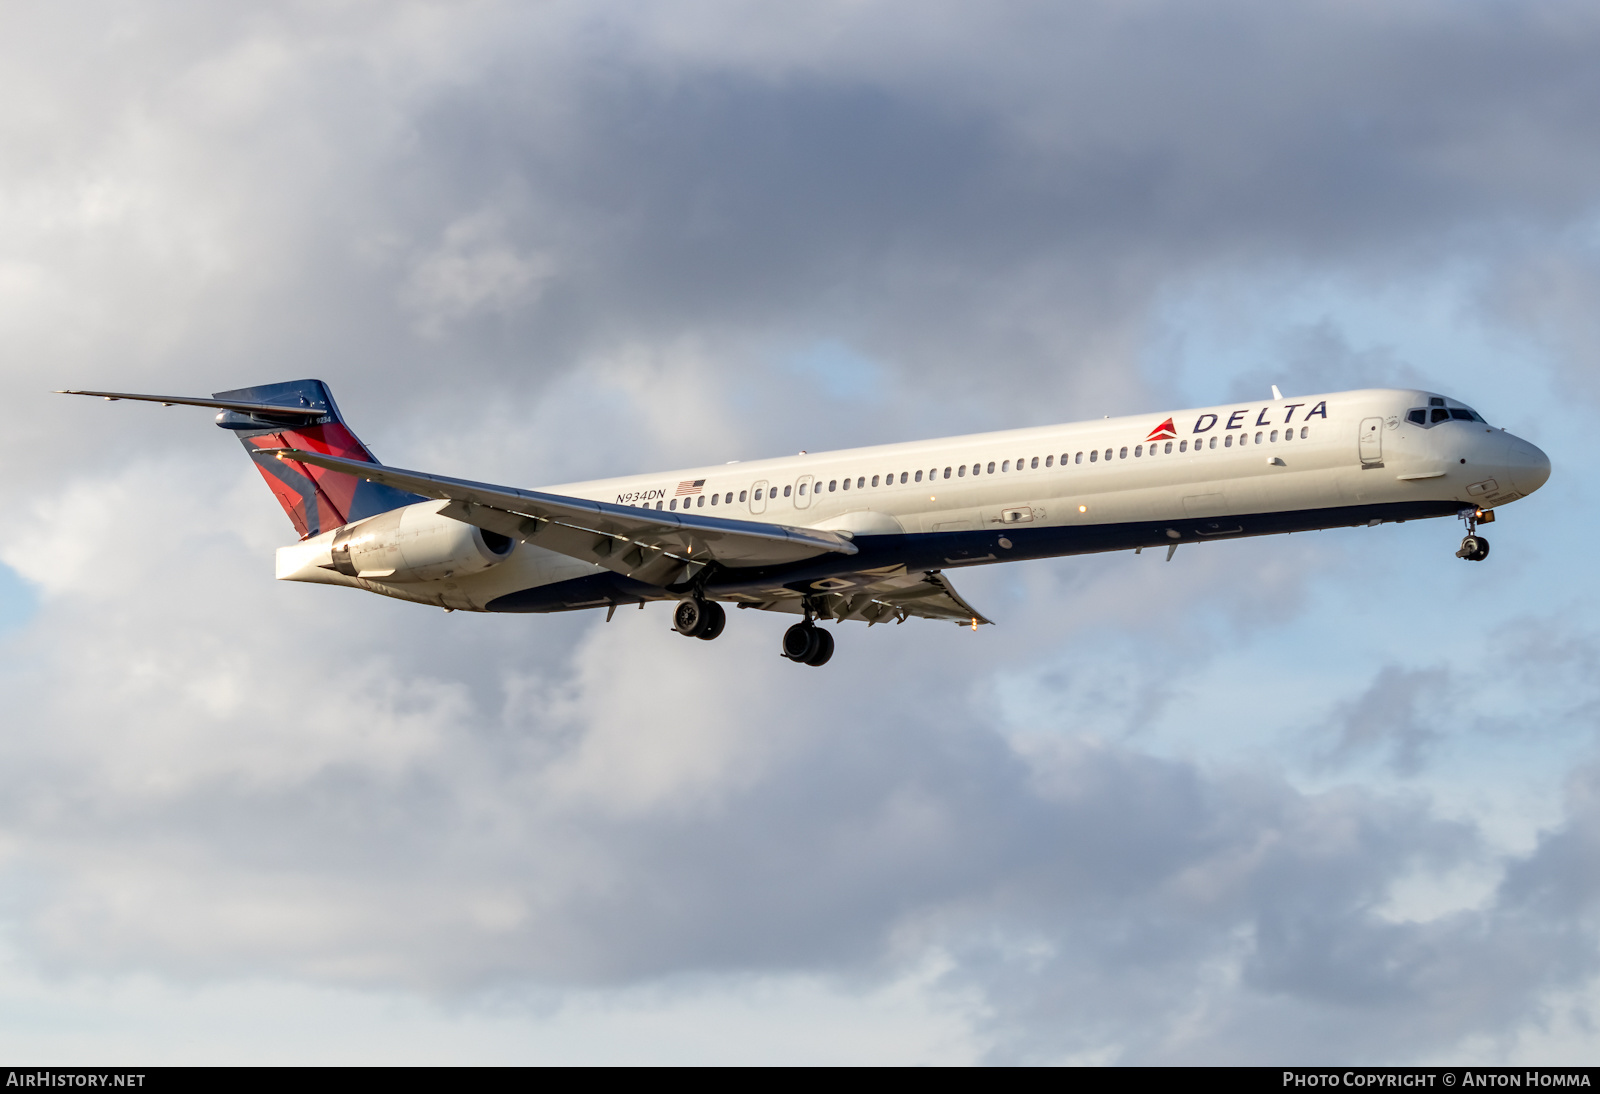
(866,533)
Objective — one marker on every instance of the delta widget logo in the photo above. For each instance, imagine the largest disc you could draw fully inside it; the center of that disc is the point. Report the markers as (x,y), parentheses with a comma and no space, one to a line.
(1163,432)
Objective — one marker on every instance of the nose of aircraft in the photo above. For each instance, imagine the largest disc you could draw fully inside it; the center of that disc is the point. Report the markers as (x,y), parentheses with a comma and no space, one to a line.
(1526,465)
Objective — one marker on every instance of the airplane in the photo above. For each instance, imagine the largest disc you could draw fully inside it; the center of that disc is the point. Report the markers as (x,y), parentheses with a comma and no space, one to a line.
(865,534)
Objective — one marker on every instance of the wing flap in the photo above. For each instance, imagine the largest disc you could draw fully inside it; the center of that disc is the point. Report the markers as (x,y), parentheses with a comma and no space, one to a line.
(897,596)
(928,595)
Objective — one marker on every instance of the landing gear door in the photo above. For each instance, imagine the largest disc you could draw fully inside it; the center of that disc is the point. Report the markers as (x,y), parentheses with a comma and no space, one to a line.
(1371,442)
(802,492)
(758,497)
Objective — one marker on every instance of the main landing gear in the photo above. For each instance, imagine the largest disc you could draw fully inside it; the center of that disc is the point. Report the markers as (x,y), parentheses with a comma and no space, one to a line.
(808,644)
(699,618)
(1475,548)
(805,643)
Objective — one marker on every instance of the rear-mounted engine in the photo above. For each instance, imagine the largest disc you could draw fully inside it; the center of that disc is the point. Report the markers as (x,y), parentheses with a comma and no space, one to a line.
(416,544)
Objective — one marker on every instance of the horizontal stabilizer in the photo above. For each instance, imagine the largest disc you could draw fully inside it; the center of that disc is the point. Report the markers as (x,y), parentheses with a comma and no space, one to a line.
(270,410)
(645,544)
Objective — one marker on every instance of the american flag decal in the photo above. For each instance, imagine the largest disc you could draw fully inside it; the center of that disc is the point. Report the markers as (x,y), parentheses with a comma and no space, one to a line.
(689,486)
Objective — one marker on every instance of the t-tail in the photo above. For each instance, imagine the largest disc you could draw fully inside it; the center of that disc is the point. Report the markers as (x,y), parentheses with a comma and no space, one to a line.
(298,414)
(317,500)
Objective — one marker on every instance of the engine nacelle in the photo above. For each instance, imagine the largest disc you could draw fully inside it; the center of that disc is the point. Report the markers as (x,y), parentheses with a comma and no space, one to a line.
(416,544)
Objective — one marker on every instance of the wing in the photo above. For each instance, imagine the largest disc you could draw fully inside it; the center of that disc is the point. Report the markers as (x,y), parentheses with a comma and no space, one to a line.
(876,597)
(650,546)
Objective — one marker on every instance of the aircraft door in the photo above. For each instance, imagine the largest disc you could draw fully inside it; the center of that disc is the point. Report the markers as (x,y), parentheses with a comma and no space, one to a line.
(1371,442)
(802,492)
(758,497)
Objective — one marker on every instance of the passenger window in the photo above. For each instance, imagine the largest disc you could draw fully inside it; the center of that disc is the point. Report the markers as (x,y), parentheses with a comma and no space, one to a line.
(1076,459)
(1138,450)
(1035,462)
(1419,416)
(1006,467)
(1440,415)
(1183,446)
(903,477)
(1169,447)
(919,476)
(1123,454)
(1461,415)
(1213,443)
(862,481)
(674,503)
(1274,437)
(802,490)
(1049,461)
(846,484)
(701,504)
(947,472)
(714,498)
(1094,455)
(658,505)
(1305,431)
(786,491)
(1108,453)
(758,496)
(1227,442)
(961,472)
(1258,438)
(833,484)
(991,468)
(874,480)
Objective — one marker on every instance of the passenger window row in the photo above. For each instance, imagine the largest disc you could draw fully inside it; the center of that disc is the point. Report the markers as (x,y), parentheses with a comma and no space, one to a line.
(960,471)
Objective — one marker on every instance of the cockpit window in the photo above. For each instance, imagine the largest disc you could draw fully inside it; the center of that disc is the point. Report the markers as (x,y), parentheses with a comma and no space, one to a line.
(1436,401)
(1432,416)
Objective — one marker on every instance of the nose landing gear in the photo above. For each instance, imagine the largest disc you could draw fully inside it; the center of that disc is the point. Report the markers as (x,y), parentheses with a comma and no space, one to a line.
(1475,548)
(699,619)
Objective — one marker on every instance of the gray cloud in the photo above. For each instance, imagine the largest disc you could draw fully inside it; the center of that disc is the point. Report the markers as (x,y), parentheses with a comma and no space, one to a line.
(1399,714)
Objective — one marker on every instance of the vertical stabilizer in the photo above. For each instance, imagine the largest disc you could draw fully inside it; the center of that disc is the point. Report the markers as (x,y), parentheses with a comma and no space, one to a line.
(317,500)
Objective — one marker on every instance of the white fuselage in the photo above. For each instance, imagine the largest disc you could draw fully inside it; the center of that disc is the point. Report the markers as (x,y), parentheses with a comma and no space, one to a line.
(1099,485)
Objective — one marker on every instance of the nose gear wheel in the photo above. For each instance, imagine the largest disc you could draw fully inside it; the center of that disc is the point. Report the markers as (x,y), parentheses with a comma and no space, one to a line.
(1474,548)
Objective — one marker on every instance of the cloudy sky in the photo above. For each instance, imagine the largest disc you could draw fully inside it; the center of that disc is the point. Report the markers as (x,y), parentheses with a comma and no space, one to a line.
(1332,797)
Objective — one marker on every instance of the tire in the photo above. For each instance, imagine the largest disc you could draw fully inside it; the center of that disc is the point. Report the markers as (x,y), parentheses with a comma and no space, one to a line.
(716,619)
(824,649)
(800,642)
(1483,550)
(690,618)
